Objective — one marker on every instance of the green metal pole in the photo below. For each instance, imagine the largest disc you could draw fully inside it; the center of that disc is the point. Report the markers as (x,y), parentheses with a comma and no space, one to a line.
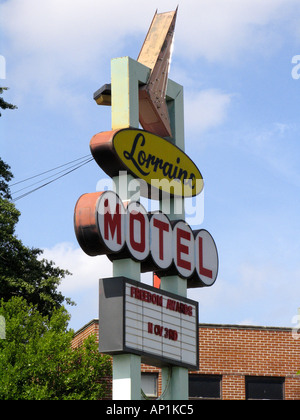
(125,74)
(175,380)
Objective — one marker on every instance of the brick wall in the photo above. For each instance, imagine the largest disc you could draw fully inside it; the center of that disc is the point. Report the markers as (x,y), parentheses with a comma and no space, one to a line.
(91,328)
(238,351)
(235,352)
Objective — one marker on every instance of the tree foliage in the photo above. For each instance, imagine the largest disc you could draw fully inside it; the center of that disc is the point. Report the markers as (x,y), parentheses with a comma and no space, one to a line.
(5,177)
(22,270)
(3,103)
(38,363)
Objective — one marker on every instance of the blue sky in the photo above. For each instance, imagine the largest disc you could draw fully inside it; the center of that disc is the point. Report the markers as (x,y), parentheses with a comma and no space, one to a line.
(242,129)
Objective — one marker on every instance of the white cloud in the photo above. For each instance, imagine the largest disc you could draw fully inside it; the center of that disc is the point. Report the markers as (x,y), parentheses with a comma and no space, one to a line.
(228,30)
(83,286)
(206,109)
(55,43)
(85,270)
(210,27)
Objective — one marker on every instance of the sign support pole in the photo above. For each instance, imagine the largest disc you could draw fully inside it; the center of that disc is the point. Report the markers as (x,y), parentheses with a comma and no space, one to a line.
(126,74)
(178,381)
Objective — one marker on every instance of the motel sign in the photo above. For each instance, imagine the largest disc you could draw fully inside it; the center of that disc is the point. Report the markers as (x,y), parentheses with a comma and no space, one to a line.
(138,322)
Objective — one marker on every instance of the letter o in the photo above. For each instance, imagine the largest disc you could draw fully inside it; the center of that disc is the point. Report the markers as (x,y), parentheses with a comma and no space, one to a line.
(137,231)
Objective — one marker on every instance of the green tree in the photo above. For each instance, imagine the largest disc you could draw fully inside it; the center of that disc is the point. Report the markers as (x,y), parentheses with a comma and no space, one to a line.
(36,358)
(3,103)
(38,363)
(22,271)
(5,177)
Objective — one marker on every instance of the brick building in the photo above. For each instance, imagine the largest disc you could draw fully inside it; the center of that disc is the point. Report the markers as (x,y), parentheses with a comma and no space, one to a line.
(236,363)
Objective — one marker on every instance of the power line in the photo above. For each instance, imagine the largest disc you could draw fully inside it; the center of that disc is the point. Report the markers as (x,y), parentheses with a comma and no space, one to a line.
(53,180)
(50,170)
(44,179)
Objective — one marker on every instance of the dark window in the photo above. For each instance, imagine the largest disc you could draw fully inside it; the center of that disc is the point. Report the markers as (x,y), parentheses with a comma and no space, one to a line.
(264,388)
(205,386)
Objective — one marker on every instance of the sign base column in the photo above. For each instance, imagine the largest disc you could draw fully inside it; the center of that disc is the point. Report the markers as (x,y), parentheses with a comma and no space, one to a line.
(126,377)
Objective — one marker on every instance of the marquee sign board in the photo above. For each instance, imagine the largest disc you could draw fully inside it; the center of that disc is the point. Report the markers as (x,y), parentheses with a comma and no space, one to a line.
(104,226)
(153,159)
(159,326)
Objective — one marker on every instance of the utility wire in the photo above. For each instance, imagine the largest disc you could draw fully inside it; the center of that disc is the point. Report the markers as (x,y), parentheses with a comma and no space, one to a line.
(44,179)
(55,179)
(50,170)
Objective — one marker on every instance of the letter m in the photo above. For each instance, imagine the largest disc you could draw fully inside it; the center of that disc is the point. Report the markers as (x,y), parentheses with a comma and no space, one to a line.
(112,223)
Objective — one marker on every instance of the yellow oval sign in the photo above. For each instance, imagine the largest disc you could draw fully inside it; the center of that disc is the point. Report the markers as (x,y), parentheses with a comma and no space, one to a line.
(158,162)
